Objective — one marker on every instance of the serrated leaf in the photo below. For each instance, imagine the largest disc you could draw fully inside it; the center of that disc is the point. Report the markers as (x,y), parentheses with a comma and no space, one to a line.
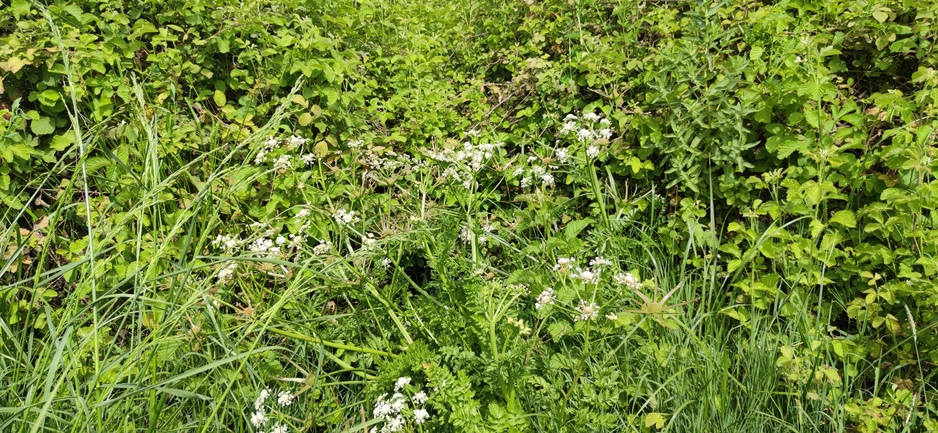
(755,53)
(220,98)
(20,150)
(42,126)
(816,228)
(305,119)
(575,227)
(62,141)
(845,218)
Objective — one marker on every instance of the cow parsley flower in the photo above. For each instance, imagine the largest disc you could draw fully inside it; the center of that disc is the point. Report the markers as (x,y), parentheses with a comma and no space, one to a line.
(285,398)
(587,311)
(322,248)
(401,382)
(628,280)
(279,428)
(600,261)
(563,264)
(419,398)
(420,416)
(588,276)
(592,151)
(562,154)
(545,298)
(345,217)
(259,418)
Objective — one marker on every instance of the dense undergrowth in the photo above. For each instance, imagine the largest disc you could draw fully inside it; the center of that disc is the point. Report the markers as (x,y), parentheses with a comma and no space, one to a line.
(468,216)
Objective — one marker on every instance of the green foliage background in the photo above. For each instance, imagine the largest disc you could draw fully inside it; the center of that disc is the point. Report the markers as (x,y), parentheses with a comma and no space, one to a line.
(776,157)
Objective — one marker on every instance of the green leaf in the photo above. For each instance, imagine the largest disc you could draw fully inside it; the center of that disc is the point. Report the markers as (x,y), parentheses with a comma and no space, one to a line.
(654,419)
(845,218)
(42,126)
(756,53)
(62,141)
(575,227)
(816,228)
(305,119)
(880,16)
(220,99)
(20,150)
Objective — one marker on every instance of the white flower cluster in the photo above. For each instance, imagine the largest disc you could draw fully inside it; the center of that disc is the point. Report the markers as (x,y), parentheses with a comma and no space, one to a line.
(535,173)
(587,276)
(227,273)
(282,162)
(343,216)
(591,128)
(266,246)
(322,248)
(564,264)
(466,161)
(588,130)
(545,298)
(393,410)
(389,162)
(227,243)
(628,280)
(600,261)
(586,311)
(259,418)
(522,328)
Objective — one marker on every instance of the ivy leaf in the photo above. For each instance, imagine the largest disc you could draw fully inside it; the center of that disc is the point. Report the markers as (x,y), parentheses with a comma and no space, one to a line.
(42,126)
(845,218)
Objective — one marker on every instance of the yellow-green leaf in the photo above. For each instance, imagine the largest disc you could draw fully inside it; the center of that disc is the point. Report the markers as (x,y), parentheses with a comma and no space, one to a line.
(317,111)
(845,218)
(654,419)
(220,99)
(42,126)
(300,100)
(305,119)
(816,228)
(321,149)
(14,64)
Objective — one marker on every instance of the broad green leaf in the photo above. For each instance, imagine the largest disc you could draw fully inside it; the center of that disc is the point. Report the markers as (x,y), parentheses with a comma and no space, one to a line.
(220,99)
(880,15)
(305,119)
(42,126)
(20,150)
(62,141)
(756,52)
(845,218)
(816,228)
